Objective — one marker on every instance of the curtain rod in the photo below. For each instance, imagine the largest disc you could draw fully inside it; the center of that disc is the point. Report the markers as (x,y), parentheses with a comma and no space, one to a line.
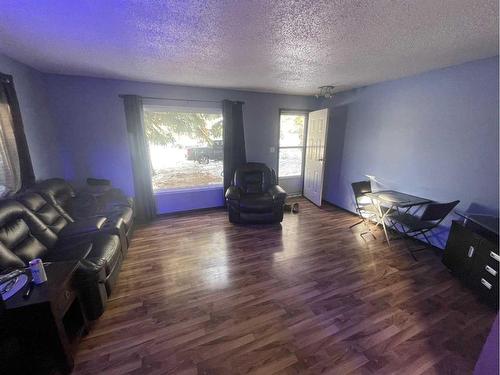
(181,100)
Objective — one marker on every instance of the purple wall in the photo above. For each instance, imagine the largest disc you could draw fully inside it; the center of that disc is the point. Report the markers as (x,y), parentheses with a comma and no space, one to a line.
(434,135)
(91,123)
(189,199)
(38,124)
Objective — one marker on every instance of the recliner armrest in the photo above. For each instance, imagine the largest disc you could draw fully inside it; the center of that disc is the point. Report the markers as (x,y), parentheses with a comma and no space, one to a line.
(117,227)
(90,279)
(90,270)
(233,193)
(277,193)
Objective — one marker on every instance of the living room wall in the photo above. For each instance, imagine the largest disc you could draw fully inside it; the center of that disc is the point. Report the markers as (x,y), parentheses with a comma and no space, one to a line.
(37,120)
(433,135)
(91,124)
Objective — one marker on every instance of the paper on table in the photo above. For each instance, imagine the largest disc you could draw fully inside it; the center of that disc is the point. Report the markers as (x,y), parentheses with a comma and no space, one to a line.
(21,281)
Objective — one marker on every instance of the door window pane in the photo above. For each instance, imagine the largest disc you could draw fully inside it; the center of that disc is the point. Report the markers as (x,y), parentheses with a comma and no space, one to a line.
(292,130)
(291,145)
(290,163)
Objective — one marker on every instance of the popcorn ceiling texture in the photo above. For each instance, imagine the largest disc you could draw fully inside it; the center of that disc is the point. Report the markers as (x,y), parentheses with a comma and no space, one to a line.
(277,46)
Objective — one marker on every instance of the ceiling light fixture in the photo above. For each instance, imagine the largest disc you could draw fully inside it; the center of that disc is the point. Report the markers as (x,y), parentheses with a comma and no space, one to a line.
(325,92)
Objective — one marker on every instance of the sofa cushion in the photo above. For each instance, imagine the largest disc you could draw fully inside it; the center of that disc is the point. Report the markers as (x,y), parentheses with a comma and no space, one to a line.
(44,211)
(13,233)
(127,215)
(8,259)
(256,203)
(252,181)
(83,226)
(23,233)
(64,253)
(30,248)
(58,193)
(253,178)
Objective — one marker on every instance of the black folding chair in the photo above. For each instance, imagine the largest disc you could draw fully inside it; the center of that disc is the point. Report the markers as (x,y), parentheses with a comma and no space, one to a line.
(413,226)
(365,211)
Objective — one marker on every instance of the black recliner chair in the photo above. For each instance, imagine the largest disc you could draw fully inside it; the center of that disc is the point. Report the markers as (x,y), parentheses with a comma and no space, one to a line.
(254,196)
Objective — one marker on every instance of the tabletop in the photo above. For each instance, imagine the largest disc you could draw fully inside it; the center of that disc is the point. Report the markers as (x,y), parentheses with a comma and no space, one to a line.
(489,222)
(58,275)
(397,198)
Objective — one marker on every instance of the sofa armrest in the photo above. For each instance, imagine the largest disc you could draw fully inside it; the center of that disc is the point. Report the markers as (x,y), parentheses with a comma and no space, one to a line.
(233,193)
(90,279)
(277,193)
(117,227)
(91,270)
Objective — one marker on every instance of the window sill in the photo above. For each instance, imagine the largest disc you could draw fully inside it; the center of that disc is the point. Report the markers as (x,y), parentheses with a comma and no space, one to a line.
(289,177)
(187,190)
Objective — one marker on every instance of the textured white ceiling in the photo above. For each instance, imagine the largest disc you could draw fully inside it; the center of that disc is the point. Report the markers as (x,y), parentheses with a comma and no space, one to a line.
(276,46)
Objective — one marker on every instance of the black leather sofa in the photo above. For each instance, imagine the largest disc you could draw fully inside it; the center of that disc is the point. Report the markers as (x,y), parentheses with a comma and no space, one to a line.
(92,201)
(71,231)
(254,195)
(24,237)
(91,226)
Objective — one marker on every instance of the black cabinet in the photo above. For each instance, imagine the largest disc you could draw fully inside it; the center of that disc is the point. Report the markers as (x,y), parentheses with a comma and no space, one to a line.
(472,255)
(40,334)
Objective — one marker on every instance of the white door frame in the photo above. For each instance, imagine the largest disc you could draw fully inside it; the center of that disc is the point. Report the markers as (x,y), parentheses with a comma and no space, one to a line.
(315,163)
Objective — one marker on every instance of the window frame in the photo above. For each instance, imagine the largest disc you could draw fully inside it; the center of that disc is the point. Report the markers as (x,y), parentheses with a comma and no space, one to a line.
(305,113)
(185,107)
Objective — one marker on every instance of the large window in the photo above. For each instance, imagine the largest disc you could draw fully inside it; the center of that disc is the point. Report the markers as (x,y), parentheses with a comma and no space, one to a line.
(186,147)
(291,144)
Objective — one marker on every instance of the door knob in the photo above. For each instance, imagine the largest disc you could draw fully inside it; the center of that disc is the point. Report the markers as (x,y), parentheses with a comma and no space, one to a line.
(320,159)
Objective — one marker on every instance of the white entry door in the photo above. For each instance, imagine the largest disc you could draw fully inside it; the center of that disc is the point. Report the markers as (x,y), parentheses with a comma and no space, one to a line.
(315,155)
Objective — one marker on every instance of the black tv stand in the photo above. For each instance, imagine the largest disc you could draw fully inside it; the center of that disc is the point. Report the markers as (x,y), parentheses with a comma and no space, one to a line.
(472,254)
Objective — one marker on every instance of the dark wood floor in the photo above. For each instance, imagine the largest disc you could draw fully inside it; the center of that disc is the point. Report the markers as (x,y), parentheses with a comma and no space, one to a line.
(199,295)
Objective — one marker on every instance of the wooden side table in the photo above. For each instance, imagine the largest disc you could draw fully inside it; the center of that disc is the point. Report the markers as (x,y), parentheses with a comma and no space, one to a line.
(46,327)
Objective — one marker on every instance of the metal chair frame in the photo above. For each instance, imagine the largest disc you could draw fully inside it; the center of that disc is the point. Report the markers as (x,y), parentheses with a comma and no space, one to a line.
(427,216)
(357,188)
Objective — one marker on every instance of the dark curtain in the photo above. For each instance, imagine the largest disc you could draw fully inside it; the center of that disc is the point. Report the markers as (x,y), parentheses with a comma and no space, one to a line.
(141,165)
(234,139)
(9,94)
